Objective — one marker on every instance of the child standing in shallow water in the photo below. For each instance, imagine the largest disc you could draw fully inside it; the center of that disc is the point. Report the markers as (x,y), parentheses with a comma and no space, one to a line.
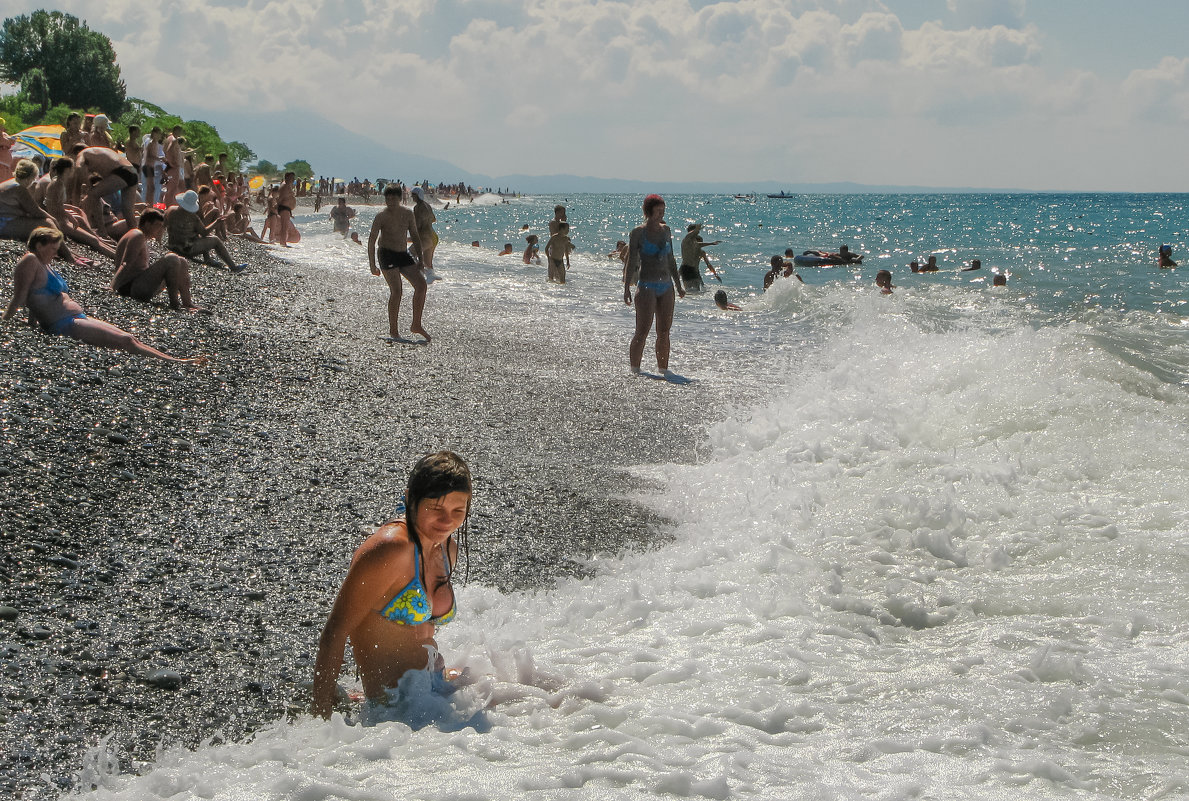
(557,251)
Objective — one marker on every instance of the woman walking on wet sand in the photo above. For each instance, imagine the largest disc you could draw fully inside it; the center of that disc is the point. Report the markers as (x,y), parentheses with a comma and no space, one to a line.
(652,267)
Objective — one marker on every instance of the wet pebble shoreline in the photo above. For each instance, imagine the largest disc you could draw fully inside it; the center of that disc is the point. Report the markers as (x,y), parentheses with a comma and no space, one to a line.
(173,536)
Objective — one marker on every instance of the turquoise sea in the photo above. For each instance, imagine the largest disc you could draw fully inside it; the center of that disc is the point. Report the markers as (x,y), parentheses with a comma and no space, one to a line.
(945,555)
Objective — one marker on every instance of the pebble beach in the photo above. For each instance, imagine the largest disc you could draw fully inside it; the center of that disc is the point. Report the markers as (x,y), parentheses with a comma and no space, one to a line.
(173,536)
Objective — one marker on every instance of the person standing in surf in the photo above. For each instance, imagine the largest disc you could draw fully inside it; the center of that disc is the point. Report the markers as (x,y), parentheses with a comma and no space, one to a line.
(286,202)
(653,269)
(398,589)
(427,241)
(388,255)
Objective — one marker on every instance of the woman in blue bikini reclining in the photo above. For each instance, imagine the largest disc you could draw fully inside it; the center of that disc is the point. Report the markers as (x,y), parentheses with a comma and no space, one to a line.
(653,269)
(41,288)
(397,590)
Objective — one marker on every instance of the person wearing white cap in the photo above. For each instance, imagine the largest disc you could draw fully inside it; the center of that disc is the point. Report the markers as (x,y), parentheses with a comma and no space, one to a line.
(428,239)
(187,236)
(100,135)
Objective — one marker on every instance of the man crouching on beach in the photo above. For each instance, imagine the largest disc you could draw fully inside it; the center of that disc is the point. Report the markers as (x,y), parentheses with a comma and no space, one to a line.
(394,227)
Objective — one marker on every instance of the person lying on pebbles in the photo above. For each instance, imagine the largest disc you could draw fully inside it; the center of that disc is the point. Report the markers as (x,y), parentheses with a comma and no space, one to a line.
(43,291)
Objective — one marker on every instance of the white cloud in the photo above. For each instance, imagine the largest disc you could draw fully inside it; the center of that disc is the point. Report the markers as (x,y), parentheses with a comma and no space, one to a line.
(643,88)
(1161,92)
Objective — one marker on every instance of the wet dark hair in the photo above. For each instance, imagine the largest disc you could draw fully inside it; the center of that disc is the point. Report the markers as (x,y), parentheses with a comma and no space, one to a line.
(436,476)
(720,296)
(392,189)
(150,216)
(61,165)
(651,202)
(776,261)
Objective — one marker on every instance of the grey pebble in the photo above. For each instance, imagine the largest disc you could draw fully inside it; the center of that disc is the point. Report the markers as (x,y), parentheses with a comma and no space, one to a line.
(165,679)
(7,613)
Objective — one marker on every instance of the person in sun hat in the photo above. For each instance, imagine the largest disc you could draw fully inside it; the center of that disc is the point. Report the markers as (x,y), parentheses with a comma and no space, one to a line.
(187,236)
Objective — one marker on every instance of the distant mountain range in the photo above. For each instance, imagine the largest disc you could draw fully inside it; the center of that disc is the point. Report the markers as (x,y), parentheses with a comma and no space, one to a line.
(333,150)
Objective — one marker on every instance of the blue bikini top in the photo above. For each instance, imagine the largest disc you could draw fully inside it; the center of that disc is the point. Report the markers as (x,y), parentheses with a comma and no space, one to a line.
(55,284)
(652,249)
(411,605)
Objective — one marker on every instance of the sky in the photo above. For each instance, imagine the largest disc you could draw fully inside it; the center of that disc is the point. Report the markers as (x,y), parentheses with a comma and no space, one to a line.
(1066,95)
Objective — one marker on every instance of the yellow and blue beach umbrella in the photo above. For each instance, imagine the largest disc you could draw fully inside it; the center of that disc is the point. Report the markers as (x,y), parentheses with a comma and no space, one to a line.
(40,140)
(255,182)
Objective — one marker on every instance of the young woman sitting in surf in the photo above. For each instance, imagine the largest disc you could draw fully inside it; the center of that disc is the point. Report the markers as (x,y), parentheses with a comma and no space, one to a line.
(398,588)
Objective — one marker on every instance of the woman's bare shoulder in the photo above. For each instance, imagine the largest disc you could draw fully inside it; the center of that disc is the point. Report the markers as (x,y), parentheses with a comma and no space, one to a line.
(389,541)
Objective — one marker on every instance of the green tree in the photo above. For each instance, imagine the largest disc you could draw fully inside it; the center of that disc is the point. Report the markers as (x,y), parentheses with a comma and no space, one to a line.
(266,168)
(36,89)
(79,64)
(239,154)
(300,168)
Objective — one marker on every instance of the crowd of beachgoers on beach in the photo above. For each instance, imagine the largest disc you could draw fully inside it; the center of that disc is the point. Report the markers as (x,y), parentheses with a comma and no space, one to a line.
(152,205)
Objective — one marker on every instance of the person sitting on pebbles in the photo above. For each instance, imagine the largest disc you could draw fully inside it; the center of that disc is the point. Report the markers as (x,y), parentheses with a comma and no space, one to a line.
(239,223)
(144,267)
(187,236)
(71,220)
(20,214)
(41,289)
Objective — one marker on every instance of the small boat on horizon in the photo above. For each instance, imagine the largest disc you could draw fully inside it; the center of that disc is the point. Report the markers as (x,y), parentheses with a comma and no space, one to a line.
(782,196)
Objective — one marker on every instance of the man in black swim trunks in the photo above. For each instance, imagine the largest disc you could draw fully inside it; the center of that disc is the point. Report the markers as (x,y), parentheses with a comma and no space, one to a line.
(116,174)
(692,252)
(389,256)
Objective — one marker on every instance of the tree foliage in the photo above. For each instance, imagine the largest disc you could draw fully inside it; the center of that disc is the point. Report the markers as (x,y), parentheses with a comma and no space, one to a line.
(240,153)
(267,168)
(79,64)
(301,168)
(36,89)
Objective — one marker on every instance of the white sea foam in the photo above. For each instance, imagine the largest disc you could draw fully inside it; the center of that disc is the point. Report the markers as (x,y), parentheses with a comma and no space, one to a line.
(946,559)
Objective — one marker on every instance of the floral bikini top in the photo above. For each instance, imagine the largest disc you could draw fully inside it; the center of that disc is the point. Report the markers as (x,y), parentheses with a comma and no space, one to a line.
(412,605)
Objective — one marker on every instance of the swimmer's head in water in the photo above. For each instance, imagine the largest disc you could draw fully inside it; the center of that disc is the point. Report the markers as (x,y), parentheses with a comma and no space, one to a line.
(883,278)
(720,297)
(999,280)
(1166,250)
(777,262)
